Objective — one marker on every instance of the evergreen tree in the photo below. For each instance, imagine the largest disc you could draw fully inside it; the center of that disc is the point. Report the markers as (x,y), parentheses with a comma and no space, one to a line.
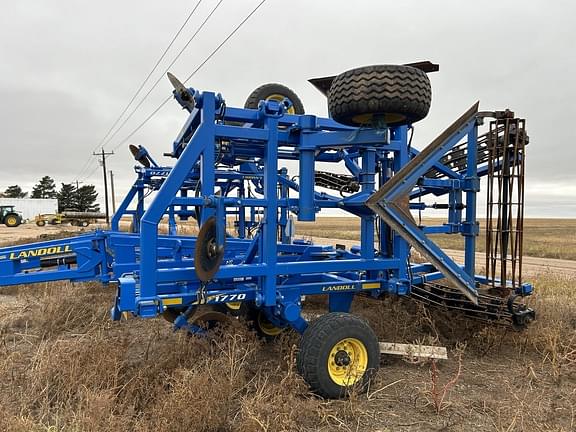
(46,188)
(67,197)
(14,192)
(86,199)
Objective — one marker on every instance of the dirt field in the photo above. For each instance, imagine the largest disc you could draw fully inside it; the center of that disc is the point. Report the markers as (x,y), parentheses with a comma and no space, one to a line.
(64,366)
(531,265)
(544,238)
(31,231)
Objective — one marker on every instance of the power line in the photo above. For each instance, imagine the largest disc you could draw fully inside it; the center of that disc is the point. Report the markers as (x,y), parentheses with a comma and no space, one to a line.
(224,41)
(152,114)
(84,167)
(87,176)
(165,101)
(143,83)
(151,72)
(164,73)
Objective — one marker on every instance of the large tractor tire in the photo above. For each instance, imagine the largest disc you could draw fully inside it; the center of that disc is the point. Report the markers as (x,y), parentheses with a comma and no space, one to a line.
(380,95)
(276,92)
(12,220)
(41,223)
(338,352)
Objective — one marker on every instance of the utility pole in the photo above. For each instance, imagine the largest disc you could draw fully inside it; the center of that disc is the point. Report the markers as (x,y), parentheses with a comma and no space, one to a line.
(112,191)
(103,155)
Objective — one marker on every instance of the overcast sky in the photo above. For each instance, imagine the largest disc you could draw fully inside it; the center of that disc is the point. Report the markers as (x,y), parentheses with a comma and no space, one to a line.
(68,68)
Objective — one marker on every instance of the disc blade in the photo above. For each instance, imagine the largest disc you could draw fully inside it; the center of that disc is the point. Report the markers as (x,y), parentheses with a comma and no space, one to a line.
(208,256)
(178,86)
(184,96)
(142,159)
(209,319)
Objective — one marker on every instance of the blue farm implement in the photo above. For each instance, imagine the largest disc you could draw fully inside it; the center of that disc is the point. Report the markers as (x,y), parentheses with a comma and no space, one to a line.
(228,167)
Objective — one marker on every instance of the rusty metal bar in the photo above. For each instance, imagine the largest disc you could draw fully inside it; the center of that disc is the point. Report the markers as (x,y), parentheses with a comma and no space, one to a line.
(506,142)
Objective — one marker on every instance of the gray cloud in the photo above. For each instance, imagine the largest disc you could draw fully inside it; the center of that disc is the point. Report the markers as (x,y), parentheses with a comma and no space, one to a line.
(67,69)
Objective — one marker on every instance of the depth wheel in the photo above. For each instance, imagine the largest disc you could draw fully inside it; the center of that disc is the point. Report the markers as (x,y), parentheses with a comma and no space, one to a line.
(275,92)
(387,94)
(338,352)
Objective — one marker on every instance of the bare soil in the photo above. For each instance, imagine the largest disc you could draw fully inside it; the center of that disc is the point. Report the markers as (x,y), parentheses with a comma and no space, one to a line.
(531,265)
(543,238)
(9,236)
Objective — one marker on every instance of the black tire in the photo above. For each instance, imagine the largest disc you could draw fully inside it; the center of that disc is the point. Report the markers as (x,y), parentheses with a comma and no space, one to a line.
(272,91)
(326,338)
(388,94)
(41,223)
(12,220)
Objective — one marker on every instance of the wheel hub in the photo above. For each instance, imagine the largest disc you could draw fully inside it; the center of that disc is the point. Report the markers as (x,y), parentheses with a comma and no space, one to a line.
(212,250)
(342,358)
(348,361)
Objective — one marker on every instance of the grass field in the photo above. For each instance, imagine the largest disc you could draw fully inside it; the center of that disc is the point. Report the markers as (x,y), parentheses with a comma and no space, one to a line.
(64,366)
(545,238)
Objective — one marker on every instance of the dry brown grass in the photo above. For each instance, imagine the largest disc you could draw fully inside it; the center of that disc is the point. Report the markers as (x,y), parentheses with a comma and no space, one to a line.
(65,367)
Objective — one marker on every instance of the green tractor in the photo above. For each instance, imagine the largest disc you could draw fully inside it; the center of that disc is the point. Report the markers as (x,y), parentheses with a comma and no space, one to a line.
(10,217)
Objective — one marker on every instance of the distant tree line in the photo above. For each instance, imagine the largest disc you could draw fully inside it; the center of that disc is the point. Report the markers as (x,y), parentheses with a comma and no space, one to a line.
(70,197)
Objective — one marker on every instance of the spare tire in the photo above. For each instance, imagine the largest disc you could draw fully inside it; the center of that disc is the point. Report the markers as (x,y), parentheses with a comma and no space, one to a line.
(381,94)
(275,92)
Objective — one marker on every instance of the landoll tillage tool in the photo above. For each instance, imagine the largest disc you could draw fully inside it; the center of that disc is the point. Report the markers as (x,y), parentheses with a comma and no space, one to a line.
(230,165)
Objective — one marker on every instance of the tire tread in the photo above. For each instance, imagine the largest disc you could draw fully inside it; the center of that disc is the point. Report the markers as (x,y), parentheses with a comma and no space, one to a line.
(265,90)
(380,89)
(311,350)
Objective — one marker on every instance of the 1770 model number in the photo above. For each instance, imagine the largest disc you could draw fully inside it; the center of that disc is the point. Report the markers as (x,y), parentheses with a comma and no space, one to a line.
(228,298)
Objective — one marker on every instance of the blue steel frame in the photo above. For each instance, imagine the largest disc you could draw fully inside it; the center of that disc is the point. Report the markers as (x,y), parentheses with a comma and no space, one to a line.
(227,164)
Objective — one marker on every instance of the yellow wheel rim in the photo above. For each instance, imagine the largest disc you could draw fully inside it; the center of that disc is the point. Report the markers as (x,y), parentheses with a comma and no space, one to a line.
(279,98)
(267,327)
(11,220)
(366,119)
(347,362)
